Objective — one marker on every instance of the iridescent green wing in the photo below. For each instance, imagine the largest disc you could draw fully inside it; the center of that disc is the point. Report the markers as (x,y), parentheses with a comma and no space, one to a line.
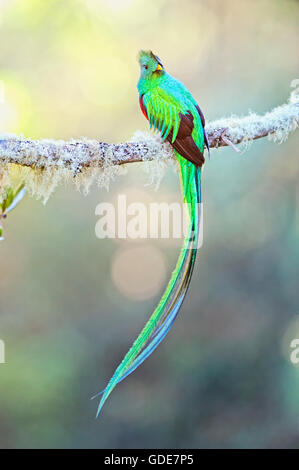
(163,112)
(178,122)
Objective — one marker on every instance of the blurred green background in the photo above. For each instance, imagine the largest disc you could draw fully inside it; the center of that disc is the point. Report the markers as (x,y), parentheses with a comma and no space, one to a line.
(71,304)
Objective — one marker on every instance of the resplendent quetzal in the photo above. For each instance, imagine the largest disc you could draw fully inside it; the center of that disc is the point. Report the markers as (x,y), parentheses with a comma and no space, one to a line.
(172,111)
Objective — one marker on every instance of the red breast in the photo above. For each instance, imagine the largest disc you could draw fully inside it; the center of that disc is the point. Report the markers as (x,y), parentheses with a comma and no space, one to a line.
(143,108)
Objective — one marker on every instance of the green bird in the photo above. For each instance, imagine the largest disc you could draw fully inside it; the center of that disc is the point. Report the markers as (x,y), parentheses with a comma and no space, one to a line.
(173,112)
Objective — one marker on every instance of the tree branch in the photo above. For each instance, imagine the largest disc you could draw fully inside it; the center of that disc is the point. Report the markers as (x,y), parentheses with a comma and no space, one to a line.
(75,155)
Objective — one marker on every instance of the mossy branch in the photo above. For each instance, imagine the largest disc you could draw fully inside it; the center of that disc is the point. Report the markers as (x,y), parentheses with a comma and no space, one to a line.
(76,157)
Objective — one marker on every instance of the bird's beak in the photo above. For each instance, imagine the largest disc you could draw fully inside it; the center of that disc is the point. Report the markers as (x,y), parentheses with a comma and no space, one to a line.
(159,67)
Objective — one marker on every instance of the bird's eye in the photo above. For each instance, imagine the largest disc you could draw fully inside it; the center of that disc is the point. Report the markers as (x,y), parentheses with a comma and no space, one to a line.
(146,67)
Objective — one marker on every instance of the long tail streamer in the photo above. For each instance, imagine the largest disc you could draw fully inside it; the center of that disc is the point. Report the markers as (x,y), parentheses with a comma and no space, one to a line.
(167,310)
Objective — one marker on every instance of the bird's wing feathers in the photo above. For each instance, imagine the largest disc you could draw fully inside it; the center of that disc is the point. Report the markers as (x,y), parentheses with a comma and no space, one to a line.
(184,143)
(162,112)
(203,123)
(174,122)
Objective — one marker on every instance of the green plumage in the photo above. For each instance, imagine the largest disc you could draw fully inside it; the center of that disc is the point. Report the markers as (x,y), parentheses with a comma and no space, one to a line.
(173,112)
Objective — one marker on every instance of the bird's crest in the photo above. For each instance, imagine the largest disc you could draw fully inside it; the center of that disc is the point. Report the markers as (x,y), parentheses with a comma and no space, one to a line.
(149,55)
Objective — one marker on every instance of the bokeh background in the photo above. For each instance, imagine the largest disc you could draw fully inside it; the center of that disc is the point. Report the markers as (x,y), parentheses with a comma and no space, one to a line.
(71,304)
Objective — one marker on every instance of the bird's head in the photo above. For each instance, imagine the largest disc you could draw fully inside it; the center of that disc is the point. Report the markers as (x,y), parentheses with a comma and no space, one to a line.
(150,65)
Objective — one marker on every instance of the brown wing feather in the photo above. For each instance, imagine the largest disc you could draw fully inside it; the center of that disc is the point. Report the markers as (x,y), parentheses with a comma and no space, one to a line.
(184,143)
(202,118)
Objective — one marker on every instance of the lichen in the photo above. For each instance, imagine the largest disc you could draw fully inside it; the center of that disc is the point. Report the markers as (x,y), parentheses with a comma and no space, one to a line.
(44,164)
(277,124)
(160,155)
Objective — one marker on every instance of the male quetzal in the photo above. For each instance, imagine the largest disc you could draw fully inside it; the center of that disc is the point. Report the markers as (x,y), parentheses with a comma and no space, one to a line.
(172,111)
